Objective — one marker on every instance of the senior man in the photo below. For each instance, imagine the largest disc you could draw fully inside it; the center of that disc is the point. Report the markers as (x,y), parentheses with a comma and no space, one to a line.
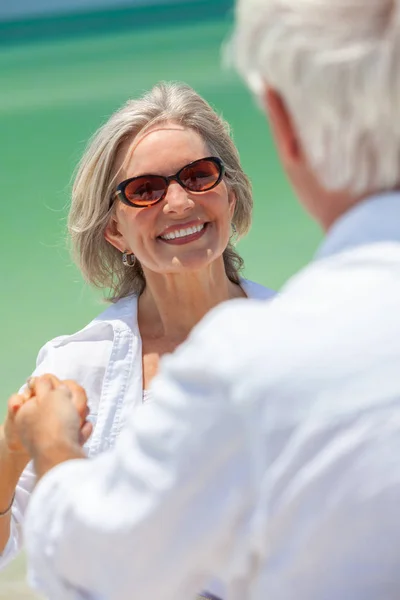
(271,453)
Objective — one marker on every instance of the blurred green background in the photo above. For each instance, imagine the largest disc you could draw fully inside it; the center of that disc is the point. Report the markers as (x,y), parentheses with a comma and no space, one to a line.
(61,79)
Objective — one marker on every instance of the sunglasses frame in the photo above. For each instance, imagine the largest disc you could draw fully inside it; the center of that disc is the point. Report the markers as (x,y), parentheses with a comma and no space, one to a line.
(120,191)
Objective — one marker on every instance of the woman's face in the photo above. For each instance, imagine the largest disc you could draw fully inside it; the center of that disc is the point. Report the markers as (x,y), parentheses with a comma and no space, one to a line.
(163,150)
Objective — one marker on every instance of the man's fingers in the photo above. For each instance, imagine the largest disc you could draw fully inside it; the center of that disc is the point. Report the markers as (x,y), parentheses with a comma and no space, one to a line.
(85,432)
(79,397)
(42,385)
(27,391)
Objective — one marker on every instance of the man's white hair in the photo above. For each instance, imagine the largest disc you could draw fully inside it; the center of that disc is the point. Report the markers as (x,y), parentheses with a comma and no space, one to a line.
(336,64)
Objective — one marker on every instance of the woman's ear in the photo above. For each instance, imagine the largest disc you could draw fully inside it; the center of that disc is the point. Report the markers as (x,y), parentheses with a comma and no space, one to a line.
(232,202)
(114,236)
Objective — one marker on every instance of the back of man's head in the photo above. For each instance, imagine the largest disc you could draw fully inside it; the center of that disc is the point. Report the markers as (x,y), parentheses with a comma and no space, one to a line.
(336,65)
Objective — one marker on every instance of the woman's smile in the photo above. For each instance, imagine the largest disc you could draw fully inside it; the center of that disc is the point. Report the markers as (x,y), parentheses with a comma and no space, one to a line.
(184,234)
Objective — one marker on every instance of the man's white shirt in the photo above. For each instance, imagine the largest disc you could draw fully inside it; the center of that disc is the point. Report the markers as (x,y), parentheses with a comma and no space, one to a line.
(269,456)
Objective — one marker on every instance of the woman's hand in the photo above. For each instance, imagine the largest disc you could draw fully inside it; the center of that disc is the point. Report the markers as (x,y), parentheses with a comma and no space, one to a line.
(52,424)
(11,434)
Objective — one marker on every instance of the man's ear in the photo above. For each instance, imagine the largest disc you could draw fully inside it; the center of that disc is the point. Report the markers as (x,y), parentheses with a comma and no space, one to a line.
(283,130)
(114,236)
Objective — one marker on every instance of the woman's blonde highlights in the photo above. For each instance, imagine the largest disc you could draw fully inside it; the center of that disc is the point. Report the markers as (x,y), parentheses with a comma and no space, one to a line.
(95,182)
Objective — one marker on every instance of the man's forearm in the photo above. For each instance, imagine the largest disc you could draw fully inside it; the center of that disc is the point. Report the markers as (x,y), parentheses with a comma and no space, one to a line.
(11,468)
(159,472)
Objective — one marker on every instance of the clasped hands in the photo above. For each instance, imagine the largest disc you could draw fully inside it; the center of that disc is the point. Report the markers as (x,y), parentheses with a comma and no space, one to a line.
(48,422)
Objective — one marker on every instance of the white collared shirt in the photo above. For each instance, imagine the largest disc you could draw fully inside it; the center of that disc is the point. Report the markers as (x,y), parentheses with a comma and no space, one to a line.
(270,454)
(106,359)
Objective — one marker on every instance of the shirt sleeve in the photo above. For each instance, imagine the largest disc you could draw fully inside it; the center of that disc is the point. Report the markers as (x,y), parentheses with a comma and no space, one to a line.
(156,516)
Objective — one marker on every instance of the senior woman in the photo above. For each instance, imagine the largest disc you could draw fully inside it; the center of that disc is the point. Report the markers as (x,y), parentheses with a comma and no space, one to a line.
(158,196)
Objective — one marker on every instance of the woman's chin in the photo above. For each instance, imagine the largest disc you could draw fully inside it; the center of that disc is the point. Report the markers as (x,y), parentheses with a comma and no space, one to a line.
(184,262)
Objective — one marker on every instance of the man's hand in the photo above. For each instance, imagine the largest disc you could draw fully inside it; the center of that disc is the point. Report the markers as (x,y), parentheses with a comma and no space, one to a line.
(52,424)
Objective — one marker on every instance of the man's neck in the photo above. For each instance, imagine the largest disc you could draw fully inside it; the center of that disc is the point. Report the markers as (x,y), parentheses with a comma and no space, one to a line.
(373,220)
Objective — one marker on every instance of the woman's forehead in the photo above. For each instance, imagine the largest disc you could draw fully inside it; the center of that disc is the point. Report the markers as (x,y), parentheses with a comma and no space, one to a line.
(162,146)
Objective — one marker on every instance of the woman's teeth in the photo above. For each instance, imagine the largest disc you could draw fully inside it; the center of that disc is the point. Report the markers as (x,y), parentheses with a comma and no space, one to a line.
(182,232)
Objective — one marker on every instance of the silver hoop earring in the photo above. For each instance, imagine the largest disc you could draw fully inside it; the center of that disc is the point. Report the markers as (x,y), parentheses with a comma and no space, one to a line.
(128,260)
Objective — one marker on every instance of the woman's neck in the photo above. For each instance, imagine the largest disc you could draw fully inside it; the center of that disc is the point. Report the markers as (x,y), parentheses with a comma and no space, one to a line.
(172,304)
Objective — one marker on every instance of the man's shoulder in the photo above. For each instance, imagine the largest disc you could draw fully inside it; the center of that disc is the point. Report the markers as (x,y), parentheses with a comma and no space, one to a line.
(358,267)
(335,314)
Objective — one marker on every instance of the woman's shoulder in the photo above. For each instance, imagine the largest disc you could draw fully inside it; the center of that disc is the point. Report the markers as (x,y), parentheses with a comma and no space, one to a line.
(90,346)
(120,315)
(256,291)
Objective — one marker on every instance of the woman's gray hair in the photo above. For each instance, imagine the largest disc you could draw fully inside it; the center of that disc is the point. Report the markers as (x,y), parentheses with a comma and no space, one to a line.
(95,182)
(336,65)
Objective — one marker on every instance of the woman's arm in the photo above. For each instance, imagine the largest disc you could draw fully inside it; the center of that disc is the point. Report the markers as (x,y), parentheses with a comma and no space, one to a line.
(11,524)
(17,477)
(13,460)
(11,469)
(17,480)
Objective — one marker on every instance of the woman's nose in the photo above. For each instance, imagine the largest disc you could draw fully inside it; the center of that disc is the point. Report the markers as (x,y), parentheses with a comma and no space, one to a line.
(177,199)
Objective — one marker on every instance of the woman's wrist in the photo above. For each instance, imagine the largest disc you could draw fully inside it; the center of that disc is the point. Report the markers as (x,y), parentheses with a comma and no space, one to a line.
(7,511)
(12,464)
(19,456)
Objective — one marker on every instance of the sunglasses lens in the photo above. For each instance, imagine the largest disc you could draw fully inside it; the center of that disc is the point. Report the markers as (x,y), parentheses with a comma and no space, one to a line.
(201,175)
(145,191)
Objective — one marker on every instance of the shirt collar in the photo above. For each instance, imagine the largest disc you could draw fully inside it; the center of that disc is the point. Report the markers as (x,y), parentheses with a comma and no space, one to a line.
(376,219)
